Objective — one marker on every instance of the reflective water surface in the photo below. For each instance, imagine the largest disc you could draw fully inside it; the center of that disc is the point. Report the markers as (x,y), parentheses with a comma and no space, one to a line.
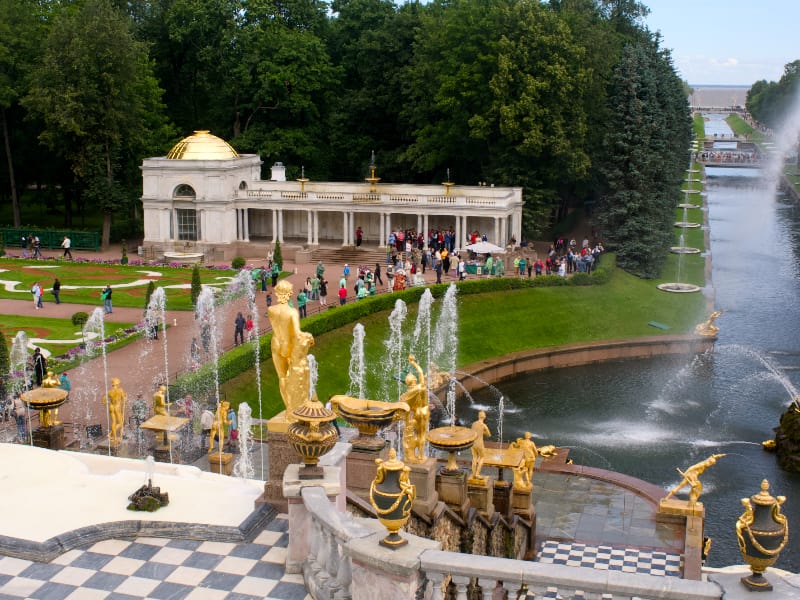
(645,418)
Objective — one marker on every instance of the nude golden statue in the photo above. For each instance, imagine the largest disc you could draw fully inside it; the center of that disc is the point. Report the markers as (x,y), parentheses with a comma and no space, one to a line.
(418,417)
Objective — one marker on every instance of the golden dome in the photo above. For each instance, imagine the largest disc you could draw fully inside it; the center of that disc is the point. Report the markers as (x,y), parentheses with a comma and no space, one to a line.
(202,146)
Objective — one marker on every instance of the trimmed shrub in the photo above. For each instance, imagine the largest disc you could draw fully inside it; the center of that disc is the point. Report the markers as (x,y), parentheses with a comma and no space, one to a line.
(151,287)
(277,255)
(124,259)
(79,318)
(238,263)
(197,285)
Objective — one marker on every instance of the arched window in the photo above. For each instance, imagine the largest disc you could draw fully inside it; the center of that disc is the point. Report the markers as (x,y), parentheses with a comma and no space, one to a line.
(184,191)
(243,185)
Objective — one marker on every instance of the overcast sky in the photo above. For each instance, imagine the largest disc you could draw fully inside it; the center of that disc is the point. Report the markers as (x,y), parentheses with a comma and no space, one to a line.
(734,42)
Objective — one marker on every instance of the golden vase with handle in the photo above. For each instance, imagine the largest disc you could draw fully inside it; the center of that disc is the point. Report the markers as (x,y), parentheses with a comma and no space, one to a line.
(392,494)
(762,532)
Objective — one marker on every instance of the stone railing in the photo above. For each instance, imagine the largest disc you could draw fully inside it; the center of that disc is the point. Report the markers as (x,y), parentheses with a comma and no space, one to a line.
(343,560)
(327,567)
(469,576)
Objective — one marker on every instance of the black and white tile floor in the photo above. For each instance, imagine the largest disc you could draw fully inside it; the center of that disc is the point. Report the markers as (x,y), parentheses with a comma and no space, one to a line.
(161,569)
(609,558)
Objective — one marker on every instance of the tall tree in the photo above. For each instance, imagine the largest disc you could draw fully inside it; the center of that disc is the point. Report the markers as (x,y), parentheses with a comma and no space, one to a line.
(96,95)
(650,123)
(21,26)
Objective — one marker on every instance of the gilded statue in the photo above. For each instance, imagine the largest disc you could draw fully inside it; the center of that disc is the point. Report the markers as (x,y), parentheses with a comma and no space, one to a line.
(418,417)
(478,449)
(708,328)
(221,421)
(51,415)
(116,399)
(523,475)
(290,348)
(691,477)
(160,401)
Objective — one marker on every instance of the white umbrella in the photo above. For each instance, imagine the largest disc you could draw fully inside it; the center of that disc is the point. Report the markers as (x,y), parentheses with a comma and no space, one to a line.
(484,248)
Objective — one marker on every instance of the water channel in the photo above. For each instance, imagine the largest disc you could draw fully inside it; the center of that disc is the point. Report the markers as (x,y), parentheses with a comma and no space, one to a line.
(645,418)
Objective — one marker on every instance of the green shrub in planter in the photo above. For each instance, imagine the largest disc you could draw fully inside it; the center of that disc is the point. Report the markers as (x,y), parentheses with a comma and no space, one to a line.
(238,263)
(79,318)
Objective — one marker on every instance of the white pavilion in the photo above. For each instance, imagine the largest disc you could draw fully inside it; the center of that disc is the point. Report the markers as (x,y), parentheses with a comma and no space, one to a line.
(204,197)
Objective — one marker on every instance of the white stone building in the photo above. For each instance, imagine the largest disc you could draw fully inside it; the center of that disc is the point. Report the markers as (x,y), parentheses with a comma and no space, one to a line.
(206,198)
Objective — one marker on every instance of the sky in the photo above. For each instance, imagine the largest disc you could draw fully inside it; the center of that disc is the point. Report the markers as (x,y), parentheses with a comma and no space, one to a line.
(727,42)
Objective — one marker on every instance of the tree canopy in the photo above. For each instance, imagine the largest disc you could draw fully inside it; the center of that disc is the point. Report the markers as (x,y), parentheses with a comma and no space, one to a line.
(510,92)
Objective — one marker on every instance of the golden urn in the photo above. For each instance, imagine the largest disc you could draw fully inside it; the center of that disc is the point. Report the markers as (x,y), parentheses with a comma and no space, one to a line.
(451,439)
(368,417)
(312,435)
(392,495)
(46,400)
(762,532)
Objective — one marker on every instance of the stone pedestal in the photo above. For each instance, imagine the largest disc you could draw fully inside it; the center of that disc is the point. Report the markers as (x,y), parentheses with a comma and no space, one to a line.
(481,495)
(221,462)
(281,454)
(378,572)
(299,518)
(423,476)
(502,498)
(452,489)
(49,437)
(522,502)
(163,454)
(674,506)
(361,469)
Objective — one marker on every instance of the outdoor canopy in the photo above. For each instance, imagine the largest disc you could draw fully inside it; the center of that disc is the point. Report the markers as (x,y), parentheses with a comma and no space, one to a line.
(484,248)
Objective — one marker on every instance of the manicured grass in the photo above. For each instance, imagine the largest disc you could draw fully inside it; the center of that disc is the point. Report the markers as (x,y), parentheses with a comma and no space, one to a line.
(741,128)
(56,329)
(93,277)
(497,324)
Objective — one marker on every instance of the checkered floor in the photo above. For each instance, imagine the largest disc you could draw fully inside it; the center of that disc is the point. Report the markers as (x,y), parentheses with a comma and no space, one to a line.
(160,568)
(607,558)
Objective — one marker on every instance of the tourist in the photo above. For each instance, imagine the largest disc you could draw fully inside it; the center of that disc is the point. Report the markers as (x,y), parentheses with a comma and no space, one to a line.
(233,429)
(488,265)
(238,330)
(500,267)
(105,296)
(363,291)
(19,412)
(269,300)
(39,366)
(276,271)
(359,236)
(389,278)
(66,243)
(57,290)
(37,247)
(36,290)
(206,422)
(301,304)
(307,288)
(461,269)
(378,273)
(323,291)
(248,327)
(346,272)
(437,266)
(342,295)
(64,383)
(263,277)
(320,269)
(314,288)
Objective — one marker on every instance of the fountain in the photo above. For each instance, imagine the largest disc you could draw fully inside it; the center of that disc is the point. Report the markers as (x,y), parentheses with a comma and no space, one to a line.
(50,433)
(681,249)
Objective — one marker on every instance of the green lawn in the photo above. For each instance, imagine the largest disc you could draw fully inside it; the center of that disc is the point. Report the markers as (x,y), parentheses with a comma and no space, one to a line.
(129,282)
(47,328)
(742,128)
(497,324)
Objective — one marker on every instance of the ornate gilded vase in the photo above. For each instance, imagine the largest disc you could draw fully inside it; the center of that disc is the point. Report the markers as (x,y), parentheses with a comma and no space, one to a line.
(392,495)
(762,532)
(312,435)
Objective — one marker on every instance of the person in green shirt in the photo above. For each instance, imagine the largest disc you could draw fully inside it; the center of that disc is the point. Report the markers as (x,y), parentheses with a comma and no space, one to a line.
(276,271)
(301,303)
(362,292)
(315,288)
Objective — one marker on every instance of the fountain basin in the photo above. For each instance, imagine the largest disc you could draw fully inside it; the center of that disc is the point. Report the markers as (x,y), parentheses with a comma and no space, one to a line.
(688,205)
(678,288)
(368,417)
(184,257)
(687,224)
(451,439)
(684,250)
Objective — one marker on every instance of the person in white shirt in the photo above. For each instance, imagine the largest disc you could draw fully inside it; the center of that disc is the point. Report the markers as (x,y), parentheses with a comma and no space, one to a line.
(66,244)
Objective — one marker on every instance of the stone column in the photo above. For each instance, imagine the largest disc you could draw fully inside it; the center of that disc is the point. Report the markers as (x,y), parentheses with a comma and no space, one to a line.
(316,228)
(496,239)
(345,222)
(310,223)
(246,221)
(382,236)
(274,225)
(280,226)
(388,228)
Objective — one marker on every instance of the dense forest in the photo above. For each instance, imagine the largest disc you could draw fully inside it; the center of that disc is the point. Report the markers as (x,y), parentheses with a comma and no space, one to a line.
(574,100)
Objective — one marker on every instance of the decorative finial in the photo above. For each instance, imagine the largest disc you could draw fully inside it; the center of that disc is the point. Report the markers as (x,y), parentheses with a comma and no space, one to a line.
(372,160)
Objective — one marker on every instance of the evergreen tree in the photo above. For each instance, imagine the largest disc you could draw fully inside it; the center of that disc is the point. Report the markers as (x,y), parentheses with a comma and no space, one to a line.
(277,256)
(151,287)
(646,149)
(196,284)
